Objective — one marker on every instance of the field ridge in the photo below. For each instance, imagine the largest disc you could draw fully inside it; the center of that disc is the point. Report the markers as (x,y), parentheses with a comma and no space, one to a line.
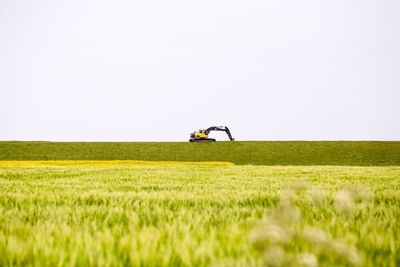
(339,153)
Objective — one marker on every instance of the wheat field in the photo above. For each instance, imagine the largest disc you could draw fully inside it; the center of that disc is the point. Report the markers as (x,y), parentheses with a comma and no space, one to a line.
(198,215)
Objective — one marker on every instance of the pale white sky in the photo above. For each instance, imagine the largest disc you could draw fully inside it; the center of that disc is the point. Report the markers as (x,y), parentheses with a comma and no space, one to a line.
(157,70)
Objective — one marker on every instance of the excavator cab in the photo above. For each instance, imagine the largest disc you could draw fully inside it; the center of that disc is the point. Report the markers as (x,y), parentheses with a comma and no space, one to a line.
(202,134)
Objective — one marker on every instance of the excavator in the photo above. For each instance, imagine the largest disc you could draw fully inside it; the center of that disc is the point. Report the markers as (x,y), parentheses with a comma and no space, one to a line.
(202,134)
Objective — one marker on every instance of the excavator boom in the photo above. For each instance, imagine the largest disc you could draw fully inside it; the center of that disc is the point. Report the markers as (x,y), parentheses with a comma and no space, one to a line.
(220,128)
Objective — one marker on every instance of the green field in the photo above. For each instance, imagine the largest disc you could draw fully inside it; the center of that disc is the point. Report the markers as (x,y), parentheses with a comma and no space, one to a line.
(344,153)
(200,215)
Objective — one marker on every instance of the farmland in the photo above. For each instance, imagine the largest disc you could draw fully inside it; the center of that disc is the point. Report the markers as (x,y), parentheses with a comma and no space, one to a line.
(94,211)
(344,153)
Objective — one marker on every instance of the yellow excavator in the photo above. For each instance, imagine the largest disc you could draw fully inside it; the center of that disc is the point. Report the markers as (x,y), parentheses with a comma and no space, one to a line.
(202,134)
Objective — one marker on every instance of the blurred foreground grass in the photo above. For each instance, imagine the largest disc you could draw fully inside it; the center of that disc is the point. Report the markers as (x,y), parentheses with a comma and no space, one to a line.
(200,216)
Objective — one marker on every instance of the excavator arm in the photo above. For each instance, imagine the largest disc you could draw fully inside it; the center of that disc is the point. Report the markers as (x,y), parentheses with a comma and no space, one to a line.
(220,128)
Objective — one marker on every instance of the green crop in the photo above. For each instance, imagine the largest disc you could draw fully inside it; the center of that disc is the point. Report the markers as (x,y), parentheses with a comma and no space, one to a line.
(343,153)
(200,216)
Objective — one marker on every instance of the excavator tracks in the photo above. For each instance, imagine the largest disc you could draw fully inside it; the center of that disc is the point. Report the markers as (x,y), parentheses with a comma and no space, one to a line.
(202,140)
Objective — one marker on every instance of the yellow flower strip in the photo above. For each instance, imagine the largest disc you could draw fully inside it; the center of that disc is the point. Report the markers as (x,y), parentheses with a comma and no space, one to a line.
(108,163)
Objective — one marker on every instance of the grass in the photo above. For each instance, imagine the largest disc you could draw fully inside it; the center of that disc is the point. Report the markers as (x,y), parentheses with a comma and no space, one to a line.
(344,153)
(200,216)
(185,204)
